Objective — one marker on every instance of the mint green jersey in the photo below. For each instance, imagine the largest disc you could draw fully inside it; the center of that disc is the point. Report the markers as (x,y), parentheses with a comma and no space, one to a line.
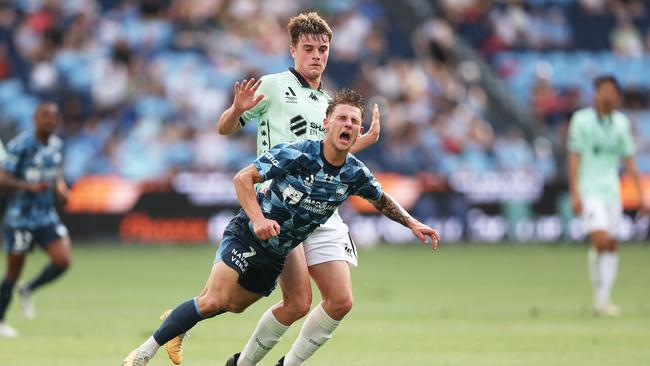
(290,110)
(601,142)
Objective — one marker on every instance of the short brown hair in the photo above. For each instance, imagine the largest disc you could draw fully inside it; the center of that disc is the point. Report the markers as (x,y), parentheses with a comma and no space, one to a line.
(308,24)
(349,97)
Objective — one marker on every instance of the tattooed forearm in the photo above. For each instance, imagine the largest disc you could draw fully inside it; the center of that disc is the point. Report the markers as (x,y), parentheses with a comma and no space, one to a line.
(387,205)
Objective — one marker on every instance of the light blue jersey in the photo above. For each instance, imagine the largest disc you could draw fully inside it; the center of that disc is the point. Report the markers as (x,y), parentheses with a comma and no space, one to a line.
(30,160)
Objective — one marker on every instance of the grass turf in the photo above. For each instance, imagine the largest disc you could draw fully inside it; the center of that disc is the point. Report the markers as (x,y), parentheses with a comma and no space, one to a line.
(463,305)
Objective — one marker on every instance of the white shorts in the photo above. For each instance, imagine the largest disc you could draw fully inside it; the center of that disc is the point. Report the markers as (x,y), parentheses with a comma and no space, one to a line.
(601,215)
(330,242)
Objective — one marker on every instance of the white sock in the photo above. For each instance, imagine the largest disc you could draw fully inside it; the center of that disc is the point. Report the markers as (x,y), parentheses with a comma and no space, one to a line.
(608,268)
(150,346)
(594,270)
(266,335)
(316,330)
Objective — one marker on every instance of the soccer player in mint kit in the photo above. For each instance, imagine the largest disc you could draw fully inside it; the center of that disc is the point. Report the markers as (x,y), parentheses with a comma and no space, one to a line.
(599,137)
(309,180)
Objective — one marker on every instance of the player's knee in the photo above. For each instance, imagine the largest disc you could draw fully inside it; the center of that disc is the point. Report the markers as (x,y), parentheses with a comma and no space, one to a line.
(297,304)
(600,243)
(63,263)
(211,304)
(340,307)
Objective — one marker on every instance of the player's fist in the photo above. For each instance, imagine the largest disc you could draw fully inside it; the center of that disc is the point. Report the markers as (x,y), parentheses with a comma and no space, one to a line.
(576,204)
(245,98)
(266,229)
(37,187)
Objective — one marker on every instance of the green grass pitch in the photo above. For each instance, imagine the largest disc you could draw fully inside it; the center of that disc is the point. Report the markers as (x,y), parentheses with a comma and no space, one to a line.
(462,305)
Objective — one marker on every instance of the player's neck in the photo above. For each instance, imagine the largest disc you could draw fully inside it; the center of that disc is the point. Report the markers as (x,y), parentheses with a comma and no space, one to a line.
(313,83)
(333,155)
(604,111)
(42,137)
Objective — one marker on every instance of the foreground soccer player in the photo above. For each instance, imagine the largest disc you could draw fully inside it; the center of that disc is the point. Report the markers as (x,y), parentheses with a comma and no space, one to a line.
(32,172)
(310,179)
(598,138)
(291,106)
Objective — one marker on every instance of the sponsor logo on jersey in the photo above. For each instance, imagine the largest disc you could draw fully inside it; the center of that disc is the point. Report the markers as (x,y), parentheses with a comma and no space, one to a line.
(317,127)
(341,189)
(317,207)
(291,195)
(329,178)
(313,97)
(298,125)
(271,158)
(290,96)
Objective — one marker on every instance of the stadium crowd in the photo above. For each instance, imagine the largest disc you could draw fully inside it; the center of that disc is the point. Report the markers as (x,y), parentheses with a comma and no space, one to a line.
(142,83)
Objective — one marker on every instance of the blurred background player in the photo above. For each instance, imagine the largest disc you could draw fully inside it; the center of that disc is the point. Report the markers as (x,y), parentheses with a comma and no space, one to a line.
(291,106)
(31,173)
(257,241)
(599,137)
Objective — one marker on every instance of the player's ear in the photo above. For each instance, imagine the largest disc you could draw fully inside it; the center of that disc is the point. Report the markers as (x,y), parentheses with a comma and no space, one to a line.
(292,50)
(326,122)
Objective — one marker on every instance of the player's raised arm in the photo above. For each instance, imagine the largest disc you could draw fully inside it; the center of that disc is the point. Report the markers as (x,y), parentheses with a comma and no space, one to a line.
(245,181)
(244,100)
(370,137)
(391,209)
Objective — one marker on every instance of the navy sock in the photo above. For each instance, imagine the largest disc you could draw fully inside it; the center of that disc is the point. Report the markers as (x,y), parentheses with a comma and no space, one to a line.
(181,319)
(49,274)
(5,296)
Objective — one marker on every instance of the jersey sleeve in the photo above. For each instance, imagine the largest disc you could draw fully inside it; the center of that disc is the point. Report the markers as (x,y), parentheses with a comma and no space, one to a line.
(628,147)
(278,161)
(367,186)
(576,141)
(14,152)
(267,89)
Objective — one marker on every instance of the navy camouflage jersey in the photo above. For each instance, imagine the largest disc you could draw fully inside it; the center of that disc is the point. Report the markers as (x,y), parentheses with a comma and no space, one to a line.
(28,159)
(306,190)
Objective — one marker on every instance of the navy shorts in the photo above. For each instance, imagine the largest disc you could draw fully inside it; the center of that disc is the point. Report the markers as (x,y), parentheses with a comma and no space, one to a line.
(20,240)
(239,249)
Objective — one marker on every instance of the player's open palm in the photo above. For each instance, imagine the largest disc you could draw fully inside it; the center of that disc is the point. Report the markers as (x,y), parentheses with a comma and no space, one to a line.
(245,98)
(266,229)
(425,234)
(375,125)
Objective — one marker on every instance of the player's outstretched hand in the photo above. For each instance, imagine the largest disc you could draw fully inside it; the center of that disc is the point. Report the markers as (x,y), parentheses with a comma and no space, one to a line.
(425,234)
(266,229)
(245,98)
(375,125)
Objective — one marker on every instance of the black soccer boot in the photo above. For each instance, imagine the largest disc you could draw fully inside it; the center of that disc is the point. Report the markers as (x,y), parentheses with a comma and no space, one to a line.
(232,361)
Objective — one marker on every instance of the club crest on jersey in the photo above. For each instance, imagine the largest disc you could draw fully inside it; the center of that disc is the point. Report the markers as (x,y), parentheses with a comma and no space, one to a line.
(341,189)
